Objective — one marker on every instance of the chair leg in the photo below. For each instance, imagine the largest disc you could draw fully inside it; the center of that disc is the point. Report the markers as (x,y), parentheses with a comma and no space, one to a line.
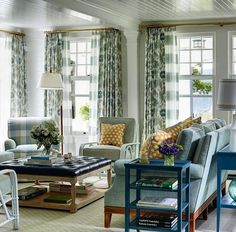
(107,219)
(192,224)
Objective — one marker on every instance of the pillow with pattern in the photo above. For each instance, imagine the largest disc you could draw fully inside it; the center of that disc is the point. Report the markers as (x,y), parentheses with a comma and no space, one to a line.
(112,134)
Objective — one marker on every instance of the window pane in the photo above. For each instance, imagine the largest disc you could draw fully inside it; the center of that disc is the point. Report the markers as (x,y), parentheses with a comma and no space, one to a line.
(82,87)
(73,57)
(196,69)
(234,68)
(196,56)
(202,106)
(184,69)
(207,42)
(88,58)
(202,87)
(207,56)
(184,86)
(184,43)
(184,105)
(196,42)
(81,46)
(88,46)
(81,70)
(234,55)
(82,58)
(88,69)
(184,56)
(207,69)
(72,46)
(234,42)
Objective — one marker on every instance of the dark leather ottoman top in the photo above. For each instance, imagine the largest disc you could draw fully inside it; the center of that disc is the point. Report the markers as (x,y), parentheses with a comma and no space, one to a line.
(78,166)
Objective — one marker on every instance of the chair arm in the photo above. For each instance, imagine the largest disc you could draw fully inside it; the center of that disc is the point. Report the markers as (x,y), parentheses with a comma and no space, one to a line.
(13,179)
(83,145)
(132,148)
(9,144)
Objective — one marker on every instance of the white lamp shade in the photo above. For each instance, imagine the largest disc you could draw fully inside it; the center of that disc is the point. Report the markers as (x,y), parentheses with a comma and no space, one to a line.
(50,81)
(227,94)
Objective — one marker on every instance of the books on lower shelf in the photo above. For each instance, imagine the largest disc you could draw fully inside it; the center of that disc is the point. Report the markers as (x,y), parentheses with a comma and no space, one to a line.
(63,199)
(85,188)
(157,202)
(159,182)
(154,220)
(31,192)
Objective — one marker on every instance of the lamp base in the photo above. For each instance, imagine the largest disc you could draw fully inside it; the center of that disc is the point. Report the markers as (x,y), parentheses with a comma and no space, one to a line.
(232,141)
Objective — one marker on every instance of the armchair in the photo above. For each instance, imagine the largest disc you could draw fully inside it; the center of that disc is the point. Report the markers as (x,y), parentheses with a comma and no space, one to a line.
(9,192)
(19,140)
(128,150)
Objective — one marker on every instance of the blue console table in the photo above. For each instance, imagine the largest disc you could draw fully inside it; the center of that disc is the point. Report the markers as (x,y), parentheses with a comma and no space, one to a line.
(182,170)
(226,160)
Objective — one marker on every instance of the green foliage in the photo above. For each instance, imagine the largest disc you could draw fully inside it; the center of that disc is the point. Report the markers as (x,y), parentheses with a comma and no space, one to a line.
(84,112)
(46,134)
(202,87)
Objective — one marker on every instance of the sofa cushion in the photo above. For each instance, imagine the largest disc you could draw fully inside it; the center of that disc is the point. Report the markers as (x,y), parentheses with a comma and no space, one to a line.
(206,126)
(196,171)
(6,155)
(218,122)
(189,139)
(223,137)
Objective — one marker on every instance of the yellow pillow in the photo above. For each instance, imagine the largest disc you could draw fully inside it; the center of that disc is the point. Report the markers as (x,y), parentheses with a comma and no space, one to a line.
(112,134)
(174,130)
(150,146)
(190,122)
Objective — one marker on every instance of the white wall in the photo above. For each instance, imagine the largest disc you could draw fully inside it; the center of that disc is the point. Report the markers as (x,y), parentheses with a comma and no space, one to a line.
(35,68)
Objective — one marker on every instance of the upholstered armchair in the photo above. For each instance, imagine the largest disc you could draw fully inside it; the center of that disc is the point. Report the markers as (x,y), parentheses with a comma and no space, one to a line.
(127,150)
(19,140)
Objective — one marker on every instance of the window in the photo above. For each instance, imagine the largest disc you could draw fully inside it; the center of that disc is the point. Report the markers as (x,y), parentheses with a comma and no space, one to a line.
(80,55)
(233,58)
(196,69)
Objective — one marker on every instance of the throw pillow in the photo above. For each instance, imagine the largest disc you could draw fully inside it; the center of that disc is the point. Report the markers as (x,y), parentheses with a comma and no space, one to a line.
(150,146)
(190,122)
(174,130)
(112,134)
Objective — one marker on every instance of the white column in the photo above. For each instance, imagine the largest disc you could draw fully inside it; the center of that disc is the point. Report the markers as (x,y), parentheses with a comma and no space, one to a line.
(132,75)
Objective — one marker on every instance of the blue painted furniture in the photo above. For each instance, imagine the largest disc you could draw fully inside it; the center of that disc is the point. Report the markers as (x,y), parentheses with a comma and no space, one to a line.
(226,160)
(181,170)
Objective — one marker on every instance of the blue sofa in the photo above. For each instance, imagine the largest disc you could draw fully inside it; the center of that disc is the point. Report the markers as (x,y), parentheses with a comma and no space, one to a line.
(201,142)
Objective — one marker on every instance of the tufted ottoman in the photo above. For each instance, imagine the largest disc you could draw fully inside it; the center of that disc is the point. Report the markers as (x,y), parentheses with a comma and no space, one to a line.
(75,170)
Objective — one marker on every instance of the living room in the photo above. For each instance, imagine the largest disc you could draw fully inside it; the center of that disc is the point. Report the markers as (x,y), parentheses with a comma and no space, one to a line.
(156,92)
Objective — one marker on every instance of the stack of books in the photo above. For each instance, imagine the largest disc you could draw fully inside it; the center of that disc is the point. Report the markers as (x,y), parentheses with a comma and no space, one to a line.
(157,202)
(154,220)
(85,188)
(62,199)
(41,160)
(31,192)
(159,182)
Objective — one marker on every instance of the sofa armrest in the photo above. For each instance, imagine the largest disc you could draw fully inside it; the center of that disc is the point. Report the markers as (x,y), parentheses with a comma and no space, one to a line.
(130,149)
(196,171)
(83,145)
(9,144)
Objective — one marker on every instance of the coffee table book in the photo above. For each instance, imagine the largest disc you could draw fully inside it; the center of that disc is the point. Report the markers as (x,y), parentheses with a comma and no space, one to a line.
(63,199)
(31,192)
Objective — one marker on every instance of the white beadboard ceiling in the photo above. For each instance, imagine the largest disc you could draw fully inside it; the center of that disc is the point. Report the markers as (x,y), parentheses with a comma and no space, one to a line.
(45,14)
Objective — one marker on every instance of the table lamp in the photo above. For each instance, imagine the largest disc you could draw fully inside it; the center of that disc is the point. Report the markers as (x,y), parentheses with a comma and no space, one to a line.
(52,81)
(227,101)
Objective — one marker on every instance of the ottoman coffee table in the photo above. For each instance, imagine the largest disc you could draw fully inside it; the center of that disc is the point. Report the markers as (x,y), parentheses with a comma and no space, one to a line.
(75,170)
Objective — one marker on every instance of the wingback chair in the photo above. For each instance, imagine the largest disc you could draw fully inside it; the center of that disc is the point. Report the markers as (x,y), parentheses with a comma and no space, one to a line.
(127,150)
(19,140)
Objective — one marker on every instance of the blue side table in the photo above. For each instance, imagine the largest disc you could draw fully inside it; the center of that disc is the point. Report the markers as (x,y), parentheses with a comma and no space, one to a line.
(182,172)
(226,160)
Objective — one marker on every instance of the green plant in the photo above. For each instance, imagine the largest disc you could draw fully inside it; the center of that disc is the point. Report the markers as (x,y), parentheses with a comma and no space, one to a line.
(84,112)
(46,134)
(202,87)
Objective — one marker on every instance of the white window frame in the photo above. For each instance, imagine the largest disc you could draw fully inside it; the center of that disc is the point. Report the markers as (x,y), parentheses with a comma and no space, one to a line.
(231,34)
(79,78)
(199,77)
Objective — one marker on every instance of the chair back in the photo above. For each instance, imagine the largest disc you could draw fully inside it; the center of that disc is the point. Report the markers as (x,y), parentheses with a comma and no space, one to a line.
(19,128)
(130,130)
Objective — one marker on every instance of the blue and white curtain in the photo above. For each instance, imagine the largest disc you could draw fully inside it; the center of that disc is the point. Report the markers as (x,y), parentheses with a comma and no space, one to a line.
(18,77)
(161,80)
(57,59)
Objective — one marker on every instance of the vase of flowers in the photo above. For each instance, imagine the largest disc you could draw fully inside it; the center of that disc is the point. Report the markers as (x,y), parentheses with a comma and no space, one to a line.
(46,134)
(169,151)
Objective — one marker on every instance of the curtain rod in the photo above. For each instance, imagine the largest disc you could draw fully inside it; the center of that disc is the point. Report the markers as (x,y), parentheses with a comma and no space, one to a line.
(12,32)
(158,25)
(77,30)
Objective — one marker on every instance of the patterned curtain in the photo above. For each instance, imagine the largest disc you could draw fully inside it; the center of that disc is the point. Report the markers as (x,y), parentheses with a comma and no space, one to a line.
(161,79)
(172,77)
(18,77)
(93,98)
(57,59)
(53,63)
(109,74)
(154,92)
